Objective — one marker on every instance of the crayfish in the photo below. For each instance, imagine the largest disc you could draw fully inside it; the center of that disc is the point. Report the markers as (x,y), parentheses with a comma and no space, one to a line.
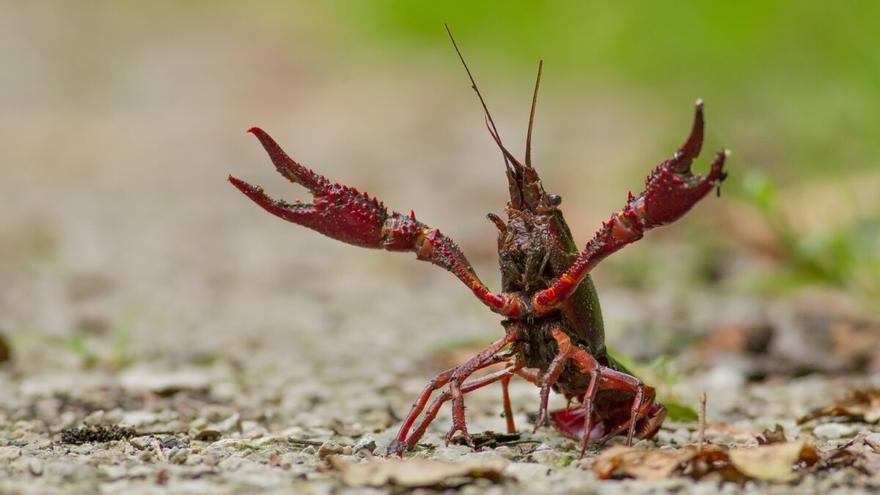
(553,330)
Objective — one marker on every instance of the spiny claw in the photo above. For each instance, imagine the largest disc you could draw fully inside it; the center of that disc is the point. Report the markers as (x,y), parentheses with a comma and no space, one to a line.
(338,211)
(290,169)
(672,189)
(343,213)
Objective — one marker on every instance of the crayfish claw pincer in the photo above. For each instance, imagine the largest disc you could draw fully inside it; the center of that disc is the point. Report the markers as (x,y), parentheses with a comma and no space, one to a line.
(337,211)
(672,189)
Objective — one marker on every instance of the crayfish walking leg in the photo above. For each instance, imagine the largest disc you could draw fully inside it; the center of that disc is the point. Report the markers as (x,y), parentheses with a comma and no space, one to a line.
(455,380)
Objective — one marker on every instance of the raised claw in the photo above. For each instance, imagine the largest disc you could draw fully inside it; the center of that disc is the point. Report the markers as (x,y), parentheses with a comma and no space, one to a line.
(343,213)
(672,189)
(337,211)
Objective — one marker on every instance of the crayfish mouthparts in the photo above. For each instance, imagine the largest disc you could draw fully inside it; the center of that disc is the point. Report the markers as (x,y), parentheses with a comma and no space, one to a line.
(558,330)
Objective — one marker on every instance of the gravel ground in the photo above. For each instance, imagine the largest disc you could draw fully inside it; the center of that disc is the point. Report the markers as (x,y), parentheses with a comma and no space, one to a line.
(243,368)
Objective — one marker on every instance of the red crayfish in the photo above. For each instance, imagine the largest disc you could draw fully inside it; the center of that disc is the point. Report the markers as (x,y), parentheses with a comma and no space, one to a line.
(554,335)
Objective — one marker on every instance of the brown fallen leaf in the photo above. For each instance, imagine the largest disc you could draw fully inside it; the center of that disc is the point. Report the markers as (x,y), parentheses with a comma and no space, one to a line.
(652,464)
(858,405)
(774,462)
(415,473)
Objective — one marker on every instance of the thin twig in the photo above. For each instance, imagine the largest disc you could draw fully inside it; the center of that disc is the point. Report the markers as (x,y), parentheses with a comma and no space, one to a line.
(702,419)
(303,441)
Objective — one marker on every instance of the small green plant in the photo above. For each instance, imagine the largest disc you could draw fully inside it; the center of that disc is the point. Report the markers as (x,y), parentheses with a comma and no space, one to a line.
(846,255)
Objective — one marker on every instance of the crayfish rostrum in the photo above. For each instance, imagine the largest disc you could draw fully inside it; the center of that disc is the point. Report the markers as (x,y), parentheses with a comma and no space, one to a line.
(553,330)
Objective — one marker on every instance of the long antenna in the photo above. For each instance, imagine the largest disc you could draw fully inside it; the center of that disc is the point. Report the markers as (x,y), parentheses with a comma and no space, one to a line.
(493,128)
(532,115)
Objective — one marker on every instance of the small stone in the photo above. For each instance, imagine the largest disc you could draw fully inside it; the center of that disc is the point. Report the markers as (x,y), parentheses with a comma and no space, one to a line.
(9,453)
(329,448)
(146,456)
(366,442)
(208,435)
(526,472)
(179,457)
(873,441)
(35,466)
(832,430)
(140,443)
(95,418)
(309,450)
(347,450)
(230,424)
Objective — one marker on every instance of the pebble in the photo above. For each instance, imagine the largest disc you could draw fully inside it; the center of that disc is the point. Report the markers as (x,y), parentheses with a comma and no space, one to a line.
(9,453)
(95,418)
(35,466)
(832,430)
(329,448)
(367,442)
(230,424)
(526,471)
(140,443)
(179,457)
(873,441)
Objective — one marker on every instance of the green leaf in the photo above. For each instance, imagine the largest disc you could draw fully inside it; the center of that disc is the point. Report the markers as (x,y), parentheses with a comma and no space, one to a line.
(677,411)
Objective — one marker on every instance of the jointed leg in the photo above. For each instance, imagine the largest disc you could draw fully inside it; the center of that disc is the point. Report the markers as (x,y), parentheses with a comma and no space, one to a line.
(617,380)
(452,377)
(552,374)
(588,366)
(434,408)
(460,375)
(508,411)
(607,378)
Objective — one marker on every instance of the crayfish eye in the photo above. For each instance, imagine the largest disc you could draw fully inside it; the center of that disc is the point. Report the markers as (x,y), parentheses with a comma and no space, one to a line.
(554,199)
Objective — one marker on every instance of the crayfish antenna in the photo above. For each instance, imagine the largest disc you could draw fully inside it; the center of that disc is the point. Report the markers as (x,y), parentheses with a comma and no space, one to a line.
(514,167)
(532,115)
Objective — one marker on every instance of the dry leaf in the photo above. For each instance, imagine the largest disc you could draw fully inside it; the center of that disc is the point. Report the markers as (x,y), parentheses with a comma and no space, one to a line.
(859,405)
(770,462)
(414,473)
(773,462)
(653,464)
(646,464)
